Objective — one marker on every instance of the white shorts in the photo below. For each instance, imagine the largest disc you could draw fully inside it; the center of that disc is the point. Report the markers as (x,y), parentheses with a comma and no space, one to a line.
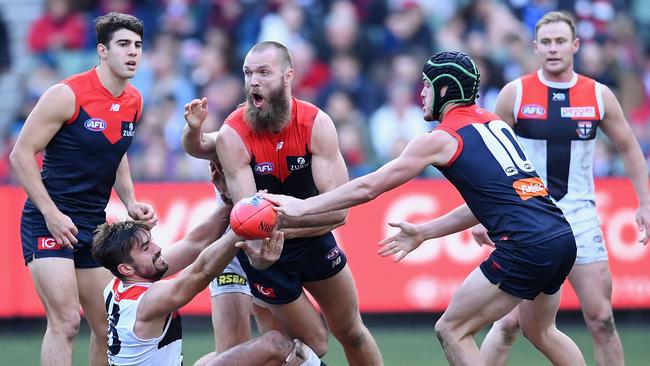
(231,280)
(591,245)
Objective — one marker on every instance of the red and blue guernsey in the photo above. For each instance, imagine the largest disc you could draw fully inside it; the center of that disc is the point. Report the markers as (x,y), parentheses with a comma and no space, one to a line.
(81,160)
(497,181)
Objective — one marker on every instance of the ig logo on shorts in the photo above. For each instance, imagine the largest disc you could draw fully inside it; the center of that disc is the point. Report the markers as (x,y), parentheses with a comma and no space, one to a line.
(46,243)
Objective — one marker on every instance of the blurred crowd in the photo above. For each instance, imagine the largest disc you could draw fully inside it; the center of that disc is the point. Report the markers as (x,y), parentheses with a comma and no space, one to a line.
(360,61)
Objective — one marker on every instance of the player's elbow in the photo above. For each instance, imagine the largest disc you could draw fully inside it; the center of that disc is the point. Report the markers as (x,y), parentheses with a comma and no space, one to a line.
(16,157)
(368,191)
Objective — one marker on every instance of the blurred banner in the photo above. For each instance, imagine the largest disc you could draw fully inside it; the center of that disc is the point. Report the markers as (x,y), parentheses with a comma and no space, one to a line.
(423,282)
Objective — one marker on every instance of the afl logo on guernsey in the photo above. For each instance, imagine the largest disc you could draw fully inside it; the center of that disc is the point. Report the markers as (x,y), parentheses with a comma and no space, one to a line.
(533,110)
(264,168)
(95,124)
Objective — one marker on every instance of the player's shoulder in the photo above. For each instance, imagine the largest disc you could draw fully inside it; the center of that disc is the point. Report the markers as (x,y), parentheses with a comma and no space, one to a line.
(236,116)
(82,81)
(133,91)
(306,112)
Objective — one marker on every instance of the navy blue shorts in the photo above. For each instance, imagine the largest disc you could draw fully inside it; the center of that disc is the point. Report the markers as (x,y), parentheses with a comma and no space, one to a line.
(526,271)
(302,260)
(38,242)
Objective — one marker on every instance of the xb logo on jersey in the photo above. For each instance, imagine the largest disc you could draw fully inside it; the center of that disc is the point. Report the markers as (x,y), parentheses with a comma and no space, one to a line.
(559,97)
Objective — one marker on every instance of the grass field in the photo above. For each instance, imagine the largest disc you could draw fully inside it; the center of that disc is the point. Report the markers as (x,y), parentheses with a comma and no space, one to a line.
(401,345)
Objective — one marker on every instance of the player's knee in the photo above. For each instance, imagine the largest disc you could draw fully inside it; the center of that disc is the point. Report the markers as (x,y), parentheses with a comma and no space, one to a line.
(508,329)
(317,341)
(443,331)
(353,336)
(601,323)
(276,344)
(65,323)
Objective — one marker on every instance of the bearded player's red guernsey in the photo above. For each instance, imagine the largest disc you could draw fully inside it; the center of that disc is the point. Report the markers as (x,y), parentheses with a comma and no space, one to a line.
(281,162)
(81,160)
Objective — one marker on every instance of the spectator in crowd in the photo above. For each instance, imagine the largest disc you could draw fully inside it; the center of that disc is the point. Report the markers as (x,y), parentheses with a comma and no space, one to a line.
(61,27)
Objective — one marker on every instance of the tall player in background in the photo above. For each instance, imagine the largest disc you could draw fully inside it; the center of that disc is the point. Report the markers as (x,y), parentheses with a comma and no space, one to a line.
(479,155)
(555,114)
(276,142)
(85,124)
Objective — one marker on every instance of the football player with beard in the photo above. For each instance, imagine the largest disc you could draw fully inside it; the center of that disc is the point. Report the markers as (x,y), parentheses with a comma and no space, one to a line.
(284,145)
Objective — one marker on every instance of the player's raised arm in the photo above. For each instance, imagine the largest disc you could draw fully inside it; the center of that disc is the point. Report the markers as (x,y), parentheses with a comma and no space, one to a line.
(195,142)
(54,108)
(164,297)
(235,162)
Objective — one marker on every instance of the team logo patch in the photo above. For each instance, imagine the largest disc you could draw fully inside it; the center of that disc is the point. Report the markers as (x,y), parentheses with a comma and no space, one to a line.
(530,187)
(95,124)
(584,129)
(231,279)
(533,110)
(128,129)
(578,112)
(559,97)
(264,168)
(333,253)
(298,162)
(265,291)
(46,243)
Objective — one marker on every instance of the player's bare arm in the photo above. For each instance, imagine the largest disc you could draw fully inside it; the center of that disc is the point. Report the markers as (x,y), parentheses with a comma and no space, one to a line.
(329,171)
(124,187)
(505,103)
(437,148)
(235,162)
(196,143)
(411,236)
(185,251)
(617,129)
(167,296)
(54,108)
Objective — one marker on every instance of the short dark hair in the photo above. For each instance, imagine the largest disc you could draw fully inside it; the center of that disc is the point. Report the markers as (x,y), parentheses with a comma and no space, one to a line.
(107,25)
(282,50)
(112,243)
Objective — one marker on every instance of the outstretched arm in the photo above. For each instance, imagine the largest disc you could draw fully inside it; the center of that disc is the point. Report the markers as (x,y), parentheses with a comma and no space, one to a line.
(619,132)
(435,148)
(411,236)
(164,297)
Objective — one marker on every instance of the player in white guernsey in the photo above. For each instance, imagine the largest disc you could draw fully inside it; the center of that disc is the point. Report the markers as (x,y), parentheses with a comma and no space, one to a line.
(556,113)
(144,324)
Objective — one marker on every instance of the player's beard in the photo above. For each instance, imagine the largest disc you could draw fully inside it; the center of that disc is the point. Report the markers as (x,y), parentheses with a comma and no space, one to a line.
(273,115)
(160,270)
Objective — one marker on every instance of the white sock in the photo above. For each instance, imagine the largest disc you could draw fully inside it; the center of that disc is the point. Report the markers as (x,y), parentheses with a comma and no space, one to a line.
(312,358)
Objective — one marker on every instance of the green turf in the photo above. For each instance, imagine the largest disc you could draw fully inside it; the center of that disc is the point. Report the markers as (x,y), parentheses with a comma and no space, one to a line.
(399,346)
